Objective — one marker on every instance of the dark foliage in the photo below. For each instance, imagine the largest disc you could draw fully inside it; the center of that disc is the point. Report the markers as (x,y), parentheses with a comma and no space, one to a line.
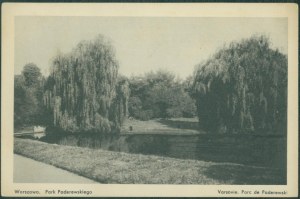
(83,90)
(28,98)
(159,95)
(243,88)
(32,75)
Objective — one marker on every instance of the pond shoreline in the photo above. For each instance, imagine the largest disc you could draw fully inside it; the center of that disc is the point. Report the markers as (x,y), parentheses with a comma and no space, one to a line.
(123,168)
(250,149)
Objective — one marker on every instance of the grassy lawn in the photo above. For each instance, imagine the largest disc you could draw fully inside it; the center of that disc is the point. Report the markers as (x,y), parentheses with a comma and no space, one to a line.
(122,168)
(162,126)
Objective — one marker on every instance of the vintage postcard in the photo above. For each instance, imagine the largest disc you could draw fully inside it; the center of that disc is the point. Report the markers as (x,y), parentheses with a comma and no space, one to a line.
(152,99)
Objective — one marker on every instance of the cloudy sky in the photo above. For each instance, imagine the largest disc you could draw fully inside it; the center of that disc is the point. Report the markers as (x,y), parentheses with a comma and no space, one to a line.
(142,44)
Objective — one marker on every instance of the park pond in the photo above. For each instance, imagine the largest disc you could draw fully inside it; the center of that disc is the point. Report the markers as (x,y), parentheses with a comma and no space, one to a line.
(111,167)
(184,140)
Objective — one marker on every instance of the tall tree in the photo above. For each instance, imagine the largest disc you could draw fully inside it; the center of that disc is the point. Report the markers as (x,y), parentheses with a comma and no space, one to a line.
(243,88)
(32,75)
(28,97)
(159,95)
(83,89)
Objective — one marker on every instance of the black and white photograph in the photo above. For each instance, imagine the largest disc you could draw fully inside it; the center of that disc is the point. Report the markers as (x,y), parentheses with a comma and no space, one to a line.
(152,100)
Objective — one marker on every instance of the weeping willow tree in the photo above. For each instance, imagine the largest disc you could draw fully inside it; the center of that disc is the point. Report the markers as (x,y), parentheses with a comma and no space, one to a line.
(83,90)
(243,88)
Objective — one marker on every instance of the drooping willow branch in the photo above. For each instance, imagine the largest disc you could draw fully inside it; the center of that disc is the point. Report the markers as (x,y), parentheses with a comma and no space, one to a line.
(243,88)
(83,89)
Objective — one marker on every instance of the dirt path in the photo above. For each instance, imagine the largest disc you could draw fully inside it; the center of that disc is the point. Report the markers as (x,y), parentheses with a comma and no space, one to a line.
(30,171)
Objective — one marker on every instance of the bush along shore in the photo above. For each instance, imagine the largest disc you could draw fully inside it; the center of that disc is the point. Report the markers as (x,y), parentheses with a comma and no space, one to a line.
(122,168)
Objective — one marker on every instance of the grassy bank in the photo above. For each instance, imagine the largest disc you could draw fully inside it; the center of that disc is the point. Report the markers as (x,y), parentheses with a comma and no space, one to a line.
(116,167)
(177,126)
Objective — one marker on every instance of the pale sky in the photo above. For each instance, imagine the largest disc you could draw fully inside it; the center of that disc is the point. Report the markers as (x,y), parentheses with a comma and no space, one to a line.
(142,44)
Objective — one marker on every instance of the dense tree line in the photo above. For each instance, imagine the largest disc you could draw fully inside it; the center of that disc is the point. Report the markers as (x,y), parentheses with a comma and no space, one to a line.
(243,88)
(83,89)
(159,95)
(28,98)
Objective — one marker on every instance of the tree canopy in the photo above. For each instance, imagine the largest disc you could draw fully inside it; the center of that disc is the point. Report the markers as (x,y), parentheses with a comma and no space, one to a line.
(243,88)
(159,95)
(31,74)
(28,98)
(83,90)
